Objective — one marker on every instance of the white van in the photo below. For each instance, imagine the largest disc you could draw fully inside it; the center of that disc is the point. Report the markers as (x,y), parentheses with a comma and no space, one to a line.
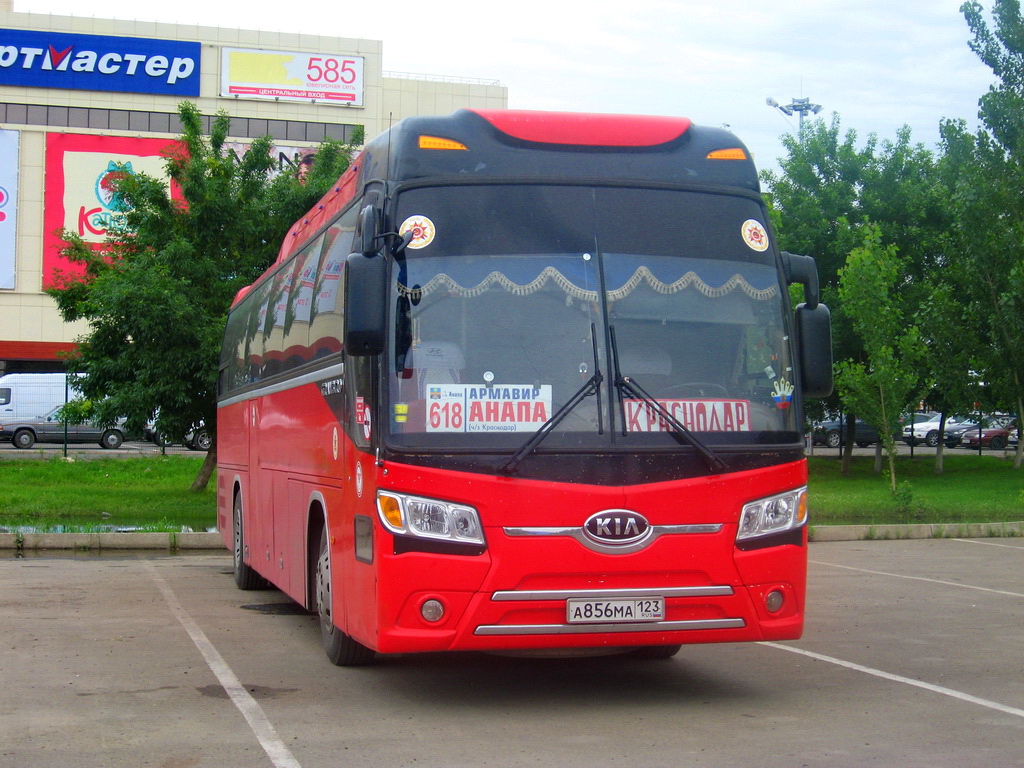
(31,394)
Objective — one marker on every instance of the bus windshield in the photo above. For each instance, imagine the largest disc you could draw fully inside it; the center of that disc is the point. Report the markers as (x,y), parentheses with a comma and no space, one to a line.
(506,304)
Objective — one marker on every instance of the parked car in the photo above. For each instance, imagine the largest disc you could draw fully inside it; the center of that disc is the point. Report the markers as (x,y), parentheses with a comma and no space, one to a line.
(831,433)
(954,435)
(24,433)
(996,438)
(927,432)
(196,439)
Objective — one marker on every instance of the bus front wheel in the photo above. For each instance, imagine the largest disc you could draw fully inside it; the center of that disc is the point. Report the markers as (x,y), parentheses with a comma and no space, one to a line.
(656,651)
(245,576)
(341,649)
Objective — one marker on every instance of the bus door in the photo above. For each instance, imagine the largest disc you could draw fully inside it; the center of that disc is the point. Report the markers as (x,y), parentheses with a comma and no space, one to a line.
(259,532)
(352,526)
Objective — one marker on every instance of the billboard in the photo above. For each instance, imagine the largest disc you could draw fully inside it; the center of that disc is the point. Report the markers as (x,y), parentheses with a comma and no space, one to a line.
(291,76)
(39,59)
(80,194)
(8,206)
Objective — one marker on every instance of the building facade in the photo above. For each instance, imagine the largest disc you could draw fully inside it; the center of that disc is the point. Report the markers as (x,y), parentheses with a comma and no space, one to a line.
(80,95)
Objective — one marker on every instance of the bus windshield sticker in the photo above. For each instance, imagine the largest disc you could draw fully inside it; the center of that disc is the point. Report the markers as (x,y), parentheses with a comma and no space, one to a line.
(782,394)
(475,408)
(714,415)
(754,235)
(422,230)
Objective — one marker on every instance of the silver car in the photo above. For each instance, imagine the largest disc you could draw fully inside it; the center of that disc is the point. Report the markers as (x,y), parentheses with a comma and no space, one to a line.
(24,433)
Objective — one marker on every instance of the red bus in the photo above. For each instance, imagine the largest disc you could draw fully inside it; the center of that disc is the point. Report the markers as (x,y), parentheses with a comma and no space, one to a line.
(527,382)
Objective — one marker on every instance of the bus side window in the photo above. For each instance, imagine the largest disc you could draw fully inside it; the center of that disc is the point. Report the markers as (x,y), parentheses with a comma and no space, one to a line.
(273,325)
(257,315)
(296,345)
(328,314)
(234,372)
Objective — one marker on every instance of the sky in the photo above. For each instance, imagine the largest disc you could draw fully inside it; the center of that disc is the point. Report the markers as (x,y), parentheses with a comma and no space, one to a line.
(878,64)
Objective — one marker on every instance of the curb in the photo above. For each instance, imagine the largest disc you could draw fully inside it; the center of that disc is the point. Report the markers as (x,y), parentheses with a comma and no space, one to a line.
(178,542)
(105,542)
(820,533)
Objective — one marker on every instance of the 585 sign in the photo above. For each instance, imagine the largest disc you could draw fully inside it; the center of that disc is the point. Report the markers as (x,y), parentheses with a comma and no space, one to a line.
(331,70)
(292,76)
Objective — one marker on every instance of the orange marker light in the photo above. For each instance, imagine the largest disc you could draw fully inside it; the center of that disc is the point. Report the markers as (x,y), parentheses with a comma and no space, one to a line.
(728,154)
(391,510)
(436,142)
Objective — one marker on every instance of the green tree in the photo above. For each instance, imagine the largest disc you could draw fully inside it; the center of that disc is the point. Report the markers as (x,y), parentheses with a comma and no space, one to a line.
(986,176)
(950,338)
(827,199)
(156,295)
(880,388)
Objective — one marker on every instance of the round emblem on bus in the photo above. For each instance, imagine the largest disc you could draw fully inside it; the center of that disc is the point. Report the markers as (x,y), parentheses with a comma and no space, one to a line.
(616,527)
(754,235)
(422,230)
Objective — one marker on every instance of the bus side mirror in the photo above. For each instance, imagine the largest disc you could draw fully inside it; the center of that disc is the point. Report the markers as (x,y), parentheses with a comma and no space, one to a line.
(814,349)
(802,269)
(367,230)
(365,304)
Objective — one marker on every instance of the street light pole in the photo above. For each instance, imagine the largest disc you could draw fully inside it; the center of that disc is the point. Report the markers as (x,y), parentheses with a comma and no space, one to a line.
(800,106)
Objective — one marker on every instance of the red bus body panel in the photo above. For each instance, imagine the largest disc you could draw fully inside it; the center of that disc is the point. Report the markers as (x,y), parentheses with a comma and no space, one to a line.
(465,584)
(290,462)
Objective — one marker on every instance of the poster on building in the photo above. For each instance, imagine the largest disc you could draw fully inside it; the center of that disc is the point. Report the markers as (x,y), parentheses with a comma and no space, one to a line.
(291,76)
(8,207)
(81,190)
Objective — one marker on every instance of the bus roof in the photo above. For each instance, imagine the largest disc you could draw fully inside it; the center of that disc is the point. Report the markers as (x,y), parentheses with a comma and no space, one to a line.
(559,147)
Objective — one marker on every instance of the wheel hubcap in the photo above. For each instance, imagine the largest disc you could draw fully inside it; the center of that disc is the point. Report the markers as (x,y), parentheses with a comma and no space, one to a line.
(237,518)
(323,590)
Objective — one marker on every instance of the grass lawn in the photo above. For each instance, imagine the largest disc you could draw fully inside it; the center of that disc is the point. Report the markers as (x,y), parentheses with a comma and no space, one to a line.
(971,489)
(152,493)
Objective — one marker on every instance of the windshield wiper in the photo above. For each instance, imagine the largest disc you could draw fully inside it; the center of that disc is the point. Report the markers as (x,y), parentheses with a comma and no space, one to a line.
(591,386)
(627,385)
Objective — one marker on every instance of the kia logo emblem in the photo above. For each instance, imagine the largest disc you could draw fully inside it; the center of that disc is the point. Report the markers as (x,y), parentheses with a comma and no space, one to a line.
(616,527)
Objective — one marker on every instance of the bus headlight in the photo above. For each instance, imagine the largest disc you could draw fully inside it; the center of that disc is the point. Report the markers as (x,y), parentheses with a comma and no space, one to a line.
(774,514)
(429,518)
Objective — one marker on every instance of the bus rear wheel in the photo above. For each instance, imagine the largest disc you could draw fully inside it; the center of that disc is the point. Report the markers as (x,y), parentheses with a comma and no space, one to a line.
(341,649)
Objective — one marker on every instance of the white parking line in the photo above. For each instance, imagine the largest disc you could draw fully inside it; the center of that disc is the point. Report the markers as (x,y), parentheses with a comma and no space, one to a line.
(918,578)
(989,544)
(261,726)
(900,679)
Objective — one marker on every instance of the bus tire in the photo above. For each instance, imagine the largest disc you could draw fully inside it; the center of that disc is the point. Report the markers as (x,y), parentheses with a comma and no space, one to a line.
(341,649)
(656,651)
(246,577)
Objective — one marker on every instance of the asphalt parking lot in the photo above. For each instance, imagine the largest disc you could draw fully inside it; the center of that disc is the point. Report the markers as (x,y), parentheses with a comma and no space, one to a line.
(911,658)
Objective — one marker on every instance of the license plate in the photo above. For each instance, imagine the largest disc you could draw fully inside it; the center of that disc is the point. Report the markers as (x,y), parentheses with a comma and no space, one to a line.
(581,611)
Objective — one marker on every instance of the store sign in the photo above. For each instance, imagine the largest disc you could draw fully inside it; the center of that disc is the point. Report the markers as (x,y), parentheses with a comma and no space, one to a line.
(8,206)
(99,63)
(290,76)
